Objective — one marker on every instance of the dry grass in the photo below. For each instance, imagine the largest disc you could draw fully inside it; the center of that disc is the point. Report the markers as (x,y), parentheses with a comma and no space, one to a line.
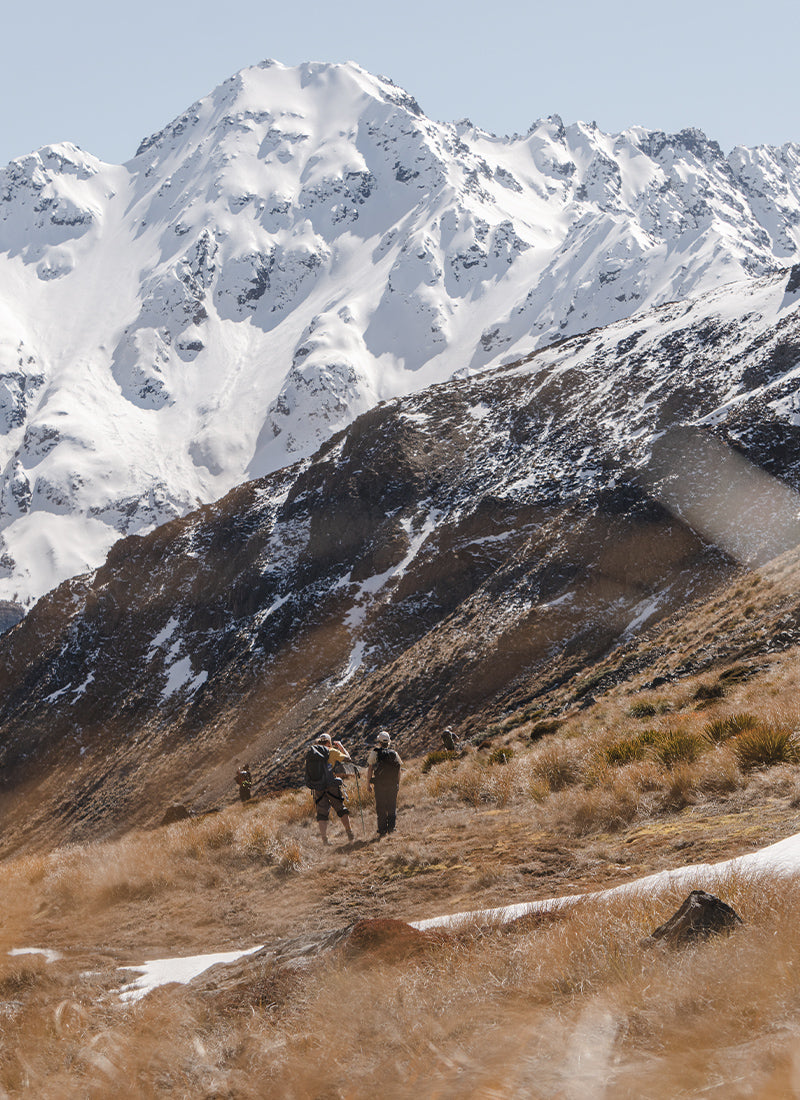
(589,778)
(145,865)
(574,1004)
(569,1006)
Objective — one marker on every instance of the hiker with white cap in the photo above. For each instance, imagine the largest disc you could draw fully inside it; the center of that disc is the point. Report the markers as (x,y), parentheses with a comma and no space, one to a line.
(383,772)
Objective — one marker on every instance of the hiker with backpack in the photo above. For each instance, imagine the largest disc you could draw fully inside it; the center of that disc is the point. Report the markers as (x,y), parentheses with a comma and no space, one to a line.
(383,772)
(325,785)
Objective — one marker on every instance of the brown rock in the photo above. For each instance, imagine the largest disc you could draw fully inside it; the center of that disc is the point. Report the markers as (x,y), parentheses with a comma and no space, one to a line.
(176,812)
(701,916)
(390,940)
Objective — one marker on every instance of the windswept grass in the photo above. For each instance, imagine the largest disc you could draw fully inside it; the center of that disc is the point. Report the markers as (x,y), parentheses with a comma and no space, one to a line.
(568,1003)
(570,999)
(720,729)
(438,756)
(677,746)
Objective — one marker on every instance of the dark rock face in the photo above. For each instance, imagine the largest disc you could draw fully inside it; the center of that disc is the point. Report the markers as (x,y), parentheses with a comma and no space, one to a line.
(10,615)
(701,916)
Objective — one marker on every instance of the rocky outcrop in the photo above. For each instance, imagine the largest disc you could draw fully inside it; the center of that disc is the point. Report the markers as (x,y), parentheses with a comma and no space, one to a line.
(10,615)
(701,916)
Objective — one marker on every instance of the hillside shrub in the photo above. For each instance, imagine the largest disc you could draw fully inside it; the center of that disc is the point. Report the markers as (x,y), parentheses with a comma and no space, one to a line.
(608,809)
(718,773)
(290,857)
(680,791)
(526,714)
(737,674)
(469,783)
(723,728)
(588,685)
(500,755)
(643,709)
(556,765)
(627,750)
(438,756)
(707,693)
(765,746)
(677,747)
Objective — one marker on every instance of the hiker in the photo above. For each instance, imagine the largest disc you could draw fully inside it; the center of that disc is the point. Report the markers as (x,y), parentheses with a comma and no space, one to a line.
(383,772)
(326,787)
(449,740)
(245,781)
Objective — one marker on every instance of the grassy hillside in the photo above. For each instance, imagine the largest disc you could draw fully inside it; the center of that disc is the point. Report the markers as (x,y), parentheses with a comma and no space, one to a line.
(589,787)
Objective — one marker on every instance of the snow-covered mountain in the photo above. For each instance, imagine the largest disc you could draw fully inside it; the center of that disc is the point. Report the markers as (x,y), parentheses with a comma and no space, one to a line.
(298,246)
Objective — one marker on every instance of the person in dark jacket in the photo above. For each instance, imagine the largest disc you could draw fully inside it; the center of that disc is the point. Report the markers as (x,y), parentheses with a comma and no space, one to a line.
(245,781)
(383,772)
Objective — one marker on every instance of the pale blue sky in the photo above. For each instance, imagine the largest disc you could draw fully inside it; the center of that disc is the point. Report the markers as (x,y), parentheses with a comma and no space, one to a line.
(80,71)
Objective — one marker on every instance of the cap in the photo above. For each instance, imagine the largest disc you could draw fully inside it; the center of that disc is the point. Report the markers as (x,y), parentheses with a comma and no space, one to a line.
(384,737)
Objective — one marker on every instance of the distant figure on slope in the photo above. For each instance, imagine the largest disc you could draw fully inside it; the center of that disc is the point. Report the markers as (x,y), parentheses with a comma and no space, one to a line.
(326,787)
(245,781)
(383,772)
(449,740)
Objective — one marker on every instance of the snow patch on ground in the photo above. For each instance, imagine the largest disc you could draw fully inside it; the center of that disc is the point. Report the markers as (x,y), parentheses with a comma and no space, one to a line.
(156,972)
(49,955)
(782,858)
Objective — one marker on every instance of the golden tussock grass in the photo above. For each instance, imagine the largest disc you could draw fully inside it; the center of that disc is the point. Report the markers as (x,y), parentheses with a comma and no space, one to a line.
(571,1004)
(146,864)
(574,1003)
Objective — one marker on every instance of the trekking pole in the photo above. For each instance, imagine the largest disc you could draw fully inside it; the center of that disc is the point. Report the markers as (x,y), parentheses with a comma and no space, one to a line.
(360,807)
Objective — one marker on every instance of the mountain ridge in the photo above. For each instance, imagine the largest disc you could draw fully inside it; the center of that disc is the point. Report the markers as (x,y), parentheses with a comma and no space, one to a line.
(450,554)
(298,246)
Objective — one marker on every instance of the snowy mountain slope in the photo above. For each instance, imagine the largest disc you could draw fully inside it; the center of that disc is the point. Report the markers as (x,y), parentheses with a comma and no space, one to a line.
(478,543)
(298,246)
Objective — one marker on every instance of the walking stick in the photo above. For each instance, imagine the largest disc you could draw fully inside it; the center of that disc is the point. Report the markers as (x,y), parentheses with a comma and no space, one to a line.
(360,807)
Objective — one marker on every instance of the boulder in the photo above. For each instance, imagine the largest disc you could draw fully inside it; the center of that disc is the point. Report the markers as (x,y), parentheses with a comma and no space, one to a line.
(701,916)
(390,940)
(176,812)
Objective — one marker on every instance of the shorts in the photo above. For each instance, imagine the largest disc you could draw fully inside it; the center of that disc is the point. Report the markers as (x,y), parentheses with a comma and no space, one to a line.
(332,797)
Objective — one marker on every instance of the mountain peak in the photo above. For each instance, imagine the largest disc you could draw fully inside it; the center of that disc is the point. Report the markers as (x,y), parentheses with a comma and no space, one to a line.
(271,90)
(298,245)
